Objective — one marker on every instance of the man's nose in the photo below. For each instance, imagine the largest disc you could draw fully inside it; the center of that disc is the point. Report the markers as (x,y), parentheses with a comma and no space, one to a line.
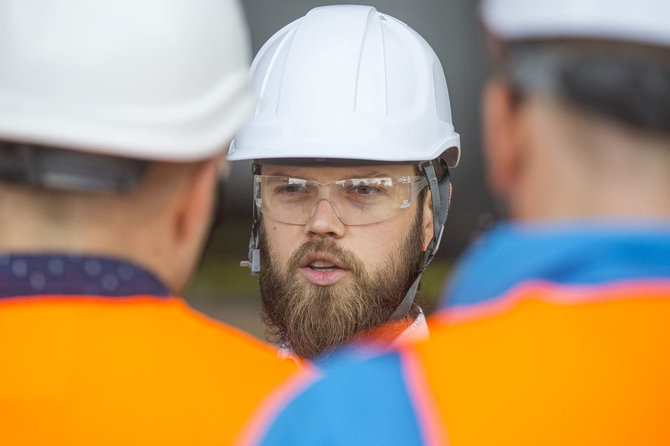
(324,221)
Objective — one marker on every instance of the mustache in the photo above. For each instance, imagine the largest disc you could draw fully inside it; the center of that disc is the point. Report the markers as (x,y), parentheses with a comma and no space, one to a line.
(343,257)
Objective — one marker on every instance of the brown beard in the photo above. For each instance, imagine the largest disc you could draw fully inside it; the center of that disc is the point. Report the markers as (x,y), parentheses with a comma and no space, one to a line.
(313,320)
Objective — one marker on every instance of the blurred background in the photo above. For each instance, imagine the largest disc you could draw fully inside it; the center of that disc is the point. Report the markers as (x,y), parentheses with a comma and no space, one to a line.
(227,292)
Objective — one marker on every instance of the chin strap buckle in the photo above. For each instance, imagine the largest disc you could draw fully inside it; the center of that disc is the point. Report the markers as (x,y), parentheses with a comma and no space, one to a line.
(254,264)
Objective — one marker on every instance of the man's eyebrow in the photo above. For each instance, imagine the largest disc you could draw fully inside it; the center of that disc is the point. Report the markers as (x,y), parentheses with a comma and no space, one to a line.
(280,174)
(370,174)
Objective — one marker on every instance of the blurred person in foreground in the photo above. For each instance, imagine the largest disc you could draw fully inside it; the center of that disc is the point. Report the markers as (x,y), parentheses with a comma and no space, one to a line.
(114,117)
(351,141)
(556,327)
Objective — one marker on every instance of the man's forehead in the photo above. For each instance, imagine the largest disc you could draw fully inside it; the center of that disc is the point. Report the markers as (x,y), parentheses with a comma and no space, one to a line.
(324,173)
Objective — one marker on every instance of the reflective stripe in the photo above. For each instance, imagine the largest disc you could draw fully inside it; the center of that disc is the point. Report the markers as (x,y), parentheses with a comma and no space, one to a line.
(555,294)
(428,413)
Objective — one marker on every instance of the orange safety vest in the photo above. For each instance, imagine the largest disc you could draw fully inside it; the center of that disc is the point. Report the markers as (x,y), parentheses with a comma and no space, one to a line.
(137,370)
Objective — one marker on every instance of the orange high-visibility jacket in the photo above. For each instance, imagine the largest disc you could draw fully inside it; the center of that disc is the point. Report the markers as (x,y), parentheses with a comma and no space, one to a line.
(124,370)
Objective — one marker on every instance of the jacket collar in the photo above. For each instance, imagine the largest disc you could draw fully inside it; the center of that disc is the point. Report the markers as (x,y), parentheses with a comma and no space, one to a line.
(577,253)
(65,274)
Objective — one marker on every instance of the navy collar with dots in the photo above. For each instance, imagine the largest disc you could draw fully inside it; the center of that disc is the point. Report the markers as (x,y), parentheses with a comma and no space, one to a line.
(51,274)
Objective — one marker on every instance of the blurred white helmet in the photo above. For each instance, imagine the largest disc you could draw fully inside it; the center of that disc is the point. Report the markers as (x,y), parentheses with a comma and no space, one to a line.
(641,21)
(148,79)
(348,82)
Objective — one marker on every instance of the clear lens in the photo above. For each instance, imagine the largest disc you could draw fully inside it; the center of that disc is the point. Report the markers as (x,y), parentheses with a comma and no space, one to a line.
(356,201)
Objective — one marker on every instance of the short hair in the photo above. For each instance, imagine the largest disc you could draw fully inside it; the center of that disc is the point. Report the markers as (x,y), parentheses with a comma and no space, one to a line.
(628,83)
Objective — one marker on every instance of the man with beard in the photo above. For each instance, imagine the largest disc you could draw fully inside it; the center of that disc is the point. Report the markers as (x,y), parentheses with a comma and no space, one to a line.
(556,328)
(352,141)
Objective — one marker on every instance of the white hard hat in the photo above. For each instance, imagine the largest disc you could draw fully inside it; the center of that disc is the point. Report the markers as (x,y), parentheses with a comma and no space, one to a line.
(348,82)
(642,21)
(149,79)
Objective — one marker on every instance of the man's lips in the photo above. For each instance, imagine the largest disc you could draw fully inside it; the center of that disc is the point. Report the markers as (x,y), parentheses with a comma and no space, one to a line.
(322,270)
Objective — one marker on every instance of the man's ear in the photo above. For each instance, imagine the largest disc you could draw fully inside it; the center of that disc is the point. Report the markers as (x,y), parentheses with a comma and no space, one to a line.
(500,114)
(196,203)
(427,220)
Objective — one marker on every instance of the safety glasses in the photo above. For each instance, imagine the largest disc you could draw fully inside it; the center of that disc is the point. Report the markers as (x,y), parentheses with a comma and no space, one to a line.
(355,201)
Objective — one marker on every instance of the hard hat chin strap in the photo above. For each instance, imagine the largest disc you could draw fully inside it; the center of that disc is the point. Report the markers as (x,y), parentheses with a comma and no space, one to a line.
(254,262)
(439,191)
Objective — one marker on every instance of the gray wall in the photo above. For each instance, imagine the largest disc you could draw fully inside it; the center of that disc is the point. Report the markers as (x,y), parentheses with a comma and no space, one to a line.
(451,27)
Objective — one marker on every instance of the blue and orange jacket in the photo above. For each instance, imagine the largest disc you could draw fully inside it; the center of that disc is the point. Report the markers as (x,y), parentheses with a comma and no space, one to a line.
(94,351)
(549,335)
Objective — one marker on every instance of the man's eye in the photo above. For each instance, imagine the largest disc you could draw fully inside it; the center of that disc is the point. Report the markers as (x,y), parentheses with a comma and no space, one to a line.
(367,190)
(290,189)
